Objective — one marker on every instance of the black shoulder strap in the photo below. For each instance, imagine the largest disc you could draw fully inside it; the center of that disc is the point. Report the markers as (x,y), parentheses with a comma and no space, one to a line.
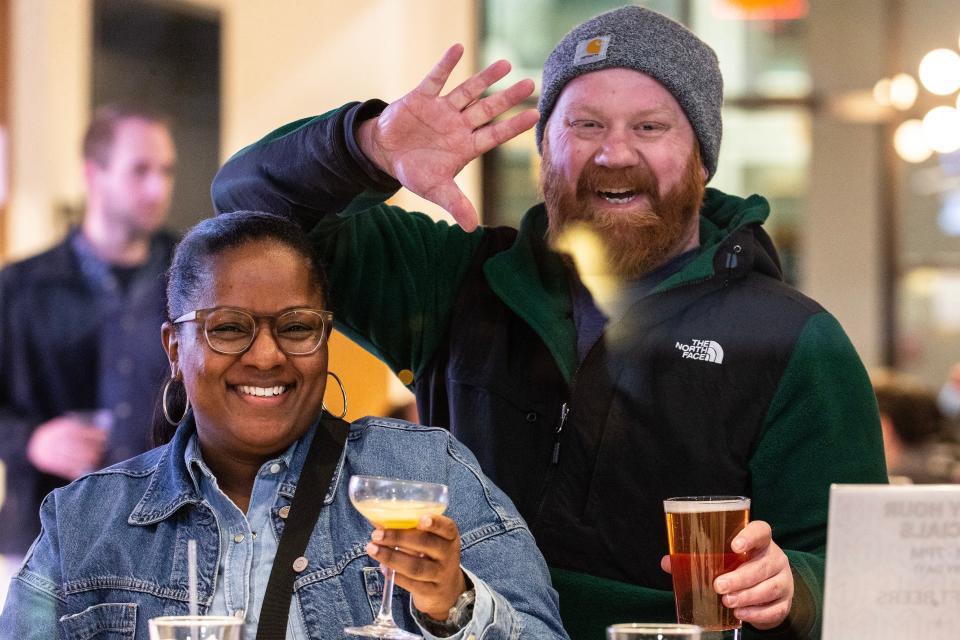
(318,467)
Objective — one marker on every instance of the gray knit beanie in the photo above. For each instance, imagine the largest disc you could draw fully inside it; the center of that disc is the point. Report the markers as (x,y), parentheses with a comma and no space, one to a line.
(643,40)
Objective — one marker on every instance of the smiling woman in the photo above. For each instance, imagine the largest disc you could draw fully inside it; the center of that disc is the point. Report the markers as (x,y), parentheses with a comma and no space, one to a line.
(247,348)
(233,357)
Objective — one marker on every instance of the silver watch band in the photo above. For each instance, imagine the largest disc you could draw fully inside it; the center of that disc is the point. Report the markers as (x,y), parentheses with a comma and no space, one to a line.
(457,618)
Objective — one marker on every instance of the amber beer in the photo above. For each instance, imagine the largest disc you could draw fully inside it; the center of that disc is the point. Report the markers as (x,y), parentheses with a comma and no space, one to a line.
(699,532)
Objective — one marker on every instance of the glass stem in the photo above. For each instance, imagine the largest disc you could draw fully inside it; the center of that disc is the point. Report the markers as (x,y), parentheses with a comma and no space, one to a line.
(385,617)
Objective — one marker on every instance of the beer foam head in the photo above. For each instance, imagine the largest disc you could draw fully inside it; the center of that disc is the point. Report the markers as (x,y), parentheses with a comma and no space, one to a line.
(705,504)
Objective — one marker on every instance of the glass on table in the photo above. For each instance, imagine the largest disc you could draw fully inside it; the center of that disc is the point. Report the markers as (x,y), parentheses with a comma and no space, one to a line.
(391,503)
(638,631)
(699,532)
(196,628)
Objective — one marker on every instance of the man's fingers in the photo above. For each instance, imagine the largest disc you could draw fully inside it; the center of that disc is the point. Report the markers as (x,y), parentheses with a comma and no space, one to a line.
(665,564)
(487,109)
(433,83)
(748,574)
(473,87)
(755,535)
(496,134)
(764,593)
(764,617)
(465,214)
(451,198)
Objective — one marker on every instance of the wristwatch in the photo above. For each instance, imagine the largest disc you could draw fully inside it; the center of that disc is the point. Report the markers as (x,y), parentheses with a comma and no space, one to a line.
(457,618)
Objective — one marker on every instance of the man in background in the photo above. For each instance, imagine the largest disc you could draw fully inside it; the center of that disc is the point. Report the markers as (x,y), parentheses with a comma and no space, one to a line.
(80,359)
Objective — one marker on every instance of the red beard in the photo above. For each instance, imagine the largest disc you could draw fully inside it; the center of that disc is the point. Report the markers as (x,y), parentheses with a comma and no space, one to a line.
(637,240)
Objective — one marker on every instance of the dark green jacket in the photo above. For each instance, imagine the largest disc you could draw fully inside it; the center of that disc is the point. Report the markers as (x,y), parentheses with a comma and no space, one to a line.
(724,380)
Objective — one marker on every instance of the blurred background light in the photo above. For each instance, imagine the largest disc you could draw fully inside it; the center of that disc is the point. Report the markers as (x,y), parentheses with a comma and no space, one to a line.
(910,143)
(903,91)
(940,71)
(941,129)
(881,92)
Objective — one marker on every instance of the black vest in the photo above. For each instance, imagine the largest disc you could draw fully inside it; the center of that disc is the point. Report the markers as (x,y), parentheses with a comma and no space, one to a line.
(671,401)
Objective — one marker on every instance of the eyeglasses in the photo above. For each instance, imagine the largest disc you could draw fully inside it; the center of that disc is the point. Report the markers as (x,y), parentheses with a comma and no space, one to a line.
(228,330)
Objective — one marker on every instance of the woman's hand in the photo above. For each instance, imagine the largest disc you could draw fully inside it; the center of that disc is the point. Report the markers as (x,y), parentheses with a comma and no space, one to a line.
(760,591)
(425,139)
(427,562)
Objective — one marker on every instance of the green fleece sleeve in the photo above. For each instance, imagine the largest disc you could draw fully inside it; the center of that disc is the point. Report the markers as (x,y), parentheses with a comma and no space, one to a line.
(822,427)
(589,603)
(394,279)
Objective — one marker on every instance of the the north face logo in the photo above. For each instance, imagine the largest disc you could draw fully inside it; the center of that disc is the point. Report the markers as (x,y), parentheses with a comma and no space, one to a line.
(702,350)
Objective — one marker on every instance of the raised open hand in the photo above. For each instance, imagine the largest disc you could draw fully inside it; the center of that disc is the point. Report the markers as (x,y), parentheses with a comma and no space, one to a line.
(425,139)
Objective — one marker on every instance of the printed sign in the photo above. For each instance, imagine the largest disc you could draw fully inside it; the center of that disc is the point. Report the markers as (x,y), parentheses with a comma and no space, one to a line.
(893,563)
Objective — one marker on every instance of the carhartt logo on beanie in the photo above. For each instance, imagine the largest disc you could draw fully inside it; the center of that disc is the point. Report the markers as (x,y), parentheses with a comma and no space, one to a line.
(646,41)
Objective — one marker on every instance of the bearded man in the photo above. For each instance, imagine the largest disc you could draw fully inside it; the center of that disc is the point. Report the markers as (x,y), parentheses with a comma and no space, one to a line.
(675,363)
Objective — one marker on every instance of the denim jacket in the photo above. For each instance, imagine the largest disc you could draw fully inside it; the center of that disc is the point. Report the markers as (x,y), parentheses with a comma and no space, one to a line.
(113,550)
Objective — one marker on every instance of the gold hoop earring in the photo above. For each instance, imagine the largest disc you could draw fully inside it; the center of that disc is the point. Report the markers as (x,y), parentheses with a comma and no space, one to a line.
(343,394)
(163,404)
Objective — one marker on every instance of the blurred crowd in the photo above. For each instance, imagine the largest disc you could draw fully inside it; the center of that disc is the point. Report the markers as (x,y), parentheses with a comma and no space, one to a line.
(920,434)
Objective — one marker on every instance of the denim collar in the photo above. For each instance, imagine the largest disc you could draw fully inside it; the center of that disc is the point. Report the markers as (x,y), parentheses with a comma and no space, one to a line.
(171,484)
(196,465)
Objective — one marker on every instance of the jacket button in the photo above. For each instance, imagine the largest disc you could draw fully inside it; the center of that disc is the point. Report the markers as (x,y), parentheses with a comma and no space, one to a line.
(300,564)
(284,511)
(238,537)
(532,416)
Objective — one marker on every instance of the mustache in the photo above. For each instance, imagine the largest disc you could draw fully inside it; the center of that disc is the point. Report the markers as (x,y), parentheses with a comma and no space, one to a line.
(638,179)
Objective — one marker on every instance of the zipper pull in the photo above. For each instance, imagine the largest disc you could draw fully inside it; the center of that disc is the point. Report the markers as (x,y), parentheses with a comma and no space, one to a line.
(564,411)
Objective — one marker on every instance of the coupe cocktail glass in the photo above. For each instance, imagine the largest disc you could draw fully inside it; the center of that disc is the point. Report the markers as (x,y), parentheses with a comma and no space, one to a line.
(393,504)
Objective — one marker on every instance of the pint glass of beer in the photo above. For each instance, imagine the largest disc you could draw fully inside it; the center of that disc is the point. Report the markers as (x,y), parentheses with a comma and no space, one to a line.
(699,531)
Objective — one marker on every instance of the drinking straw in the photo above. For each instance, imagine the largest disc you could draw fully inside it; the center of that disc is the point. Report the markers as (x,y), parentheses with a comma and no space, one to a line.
(192,575)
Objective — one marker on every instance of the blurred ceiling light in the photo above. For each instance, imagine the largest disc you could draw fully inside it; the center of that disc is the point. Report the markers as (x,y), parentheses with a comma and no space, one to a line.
(903,91)
(941,129)
(860,107)
(940,71)
(909,142)
(881,92)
